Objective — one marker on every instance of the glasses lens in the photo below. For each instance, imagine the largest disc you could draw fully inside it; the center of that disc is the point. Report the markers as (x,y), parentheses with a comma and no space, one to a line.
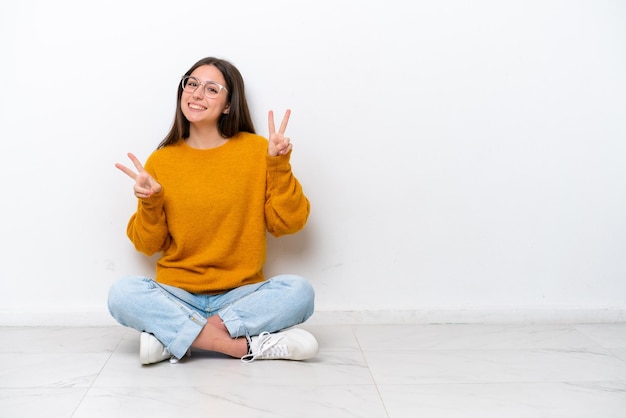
(211,89)
(190,84)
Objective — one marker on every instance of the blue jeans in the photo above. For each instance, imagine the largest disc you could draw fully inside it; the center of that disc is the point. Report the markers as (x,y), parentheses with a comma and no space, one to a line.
(176,317)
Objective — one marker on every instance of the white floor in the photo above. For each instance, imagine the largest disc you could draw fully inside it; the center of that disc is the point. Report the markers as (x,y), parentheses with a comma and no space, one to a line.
(361,371)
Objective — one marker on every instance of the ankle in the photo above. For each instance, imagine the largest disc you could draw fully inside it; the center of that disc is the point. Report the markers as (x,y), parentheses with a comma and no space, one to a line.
(215,339)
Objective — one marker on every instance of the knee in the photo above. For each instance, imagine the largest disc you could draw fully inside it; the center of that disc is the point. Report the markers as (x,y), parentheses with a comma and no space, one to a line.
(116,295)
(305,293)
(121,292)
(298,286)
(306,289)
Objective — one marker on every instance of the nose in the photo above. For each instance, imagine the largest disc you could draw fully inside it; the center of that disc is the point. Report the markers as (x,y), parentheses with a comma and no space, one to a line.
(199,92)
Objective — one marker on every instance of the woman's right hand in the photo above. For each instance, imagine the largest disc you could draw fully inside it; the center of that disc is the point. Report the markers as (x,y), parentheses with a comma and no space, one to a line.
(145,186)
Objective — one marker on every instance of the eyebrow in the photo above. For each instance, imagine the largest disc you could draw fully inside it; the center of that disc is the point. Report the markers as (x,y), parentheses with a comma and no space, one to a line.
(208,81)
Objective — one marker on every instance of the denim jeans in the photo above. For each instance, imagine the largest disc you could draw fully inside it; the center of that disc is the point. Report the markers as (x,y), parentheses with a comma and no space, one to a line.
(176,317)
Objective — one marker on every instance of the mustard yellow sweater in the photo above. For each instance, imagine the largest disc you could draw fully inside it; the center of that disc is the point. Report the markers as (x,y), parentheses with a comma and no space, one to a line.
(210,219)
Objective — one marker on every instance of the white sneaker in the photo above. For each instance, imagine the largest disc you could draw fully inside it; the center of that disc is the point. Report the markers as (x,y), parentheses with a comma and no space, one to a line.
(151,350)
(292,344)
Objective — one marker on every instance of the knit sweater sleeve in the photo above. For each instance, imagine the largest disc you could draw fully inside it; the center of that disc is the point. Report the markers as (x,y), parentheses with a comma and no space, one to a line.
(286,207)
(147,227)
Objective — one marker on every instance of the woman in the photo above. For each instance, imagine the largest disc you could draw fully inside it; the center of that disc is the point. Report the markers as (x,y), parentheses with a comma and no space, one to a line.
(206,198)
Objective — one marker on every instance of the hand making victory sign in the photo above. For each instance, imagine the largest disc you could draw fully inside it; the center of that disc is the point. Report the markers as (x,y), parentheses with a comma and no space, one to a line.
(279,144)
(145,184)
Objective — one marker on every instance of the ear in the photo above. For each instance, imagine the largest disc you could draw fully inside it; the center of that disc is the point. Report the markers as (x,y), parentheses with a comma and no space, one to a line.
(226,110)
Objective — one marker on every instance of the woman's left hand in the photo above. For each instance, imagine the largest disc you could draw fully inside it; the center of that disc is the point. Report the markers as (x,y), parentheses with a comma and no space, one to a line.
(279,144)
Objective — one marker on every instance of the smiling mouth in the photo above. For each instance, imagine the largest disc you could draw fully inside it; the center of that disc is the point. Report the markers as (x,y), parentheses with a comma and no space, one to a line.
(196,107)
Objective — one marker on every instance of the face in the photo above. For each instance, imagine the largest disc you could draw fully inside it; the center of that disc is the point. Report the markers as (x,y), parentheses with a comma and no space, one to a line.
(197,108)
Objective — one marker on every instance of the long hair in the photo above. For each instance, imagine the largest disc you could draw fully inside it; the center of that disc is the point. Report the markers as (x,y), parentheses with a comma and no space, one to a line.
(230,124)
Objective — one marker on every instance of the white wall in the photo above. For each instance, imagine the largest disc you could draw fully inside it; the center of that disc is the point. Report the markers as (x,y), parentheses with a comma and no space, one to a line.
(465,160)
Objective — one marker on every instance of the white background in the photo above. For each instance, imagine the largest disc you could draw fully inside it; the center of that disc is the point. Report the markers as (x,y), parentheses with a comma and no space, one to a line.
(464,159)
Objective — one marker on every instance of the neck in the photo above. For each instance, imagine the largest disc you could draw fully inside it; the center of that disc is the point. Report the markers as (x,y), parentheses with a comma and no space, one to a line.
(205,138)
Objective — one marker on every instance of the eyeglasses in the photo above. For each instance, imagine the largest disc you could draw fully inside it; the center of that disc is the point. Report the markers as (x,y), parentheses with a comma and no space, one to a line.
(211,88)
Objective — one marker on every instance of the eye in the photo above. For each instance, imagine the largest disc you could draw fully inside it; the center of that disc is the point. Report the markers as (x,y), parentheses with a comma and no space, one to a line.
(212,88)
(190,83)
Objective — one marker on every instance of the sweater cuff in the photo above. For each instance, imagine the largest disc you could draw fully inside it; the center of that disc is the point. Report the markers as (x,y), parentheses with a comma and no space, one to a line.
(278,162)
(154,201)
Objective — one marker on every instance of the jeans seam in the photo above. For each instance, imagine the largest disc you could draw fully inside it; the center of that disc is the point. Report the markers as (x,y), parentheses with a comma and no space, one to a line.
(191,314)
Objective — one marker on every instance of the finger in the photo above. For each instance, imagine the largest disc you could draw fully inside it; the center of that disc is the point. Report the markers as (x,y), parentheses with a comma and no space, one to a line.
(141,195)
(286,149)
(142,191)
(283,124)
(136,162)
(130,173)
(270,122)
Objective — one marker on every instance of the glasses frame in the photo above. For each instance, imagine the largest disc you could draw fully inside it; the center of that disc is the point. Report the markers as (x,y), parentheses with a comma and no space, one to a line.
(184,79)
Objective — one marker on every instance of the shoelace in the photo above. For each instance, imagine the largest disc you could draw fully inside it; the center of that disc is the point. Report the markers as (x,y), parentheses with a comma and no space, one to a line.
(267,348)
